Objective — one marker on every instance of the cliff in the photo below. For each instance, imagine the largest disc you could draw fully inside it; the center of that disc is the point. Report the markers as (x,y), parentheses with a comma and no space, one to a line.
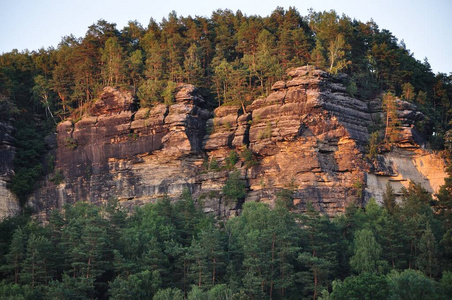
(9,205)
(307,136)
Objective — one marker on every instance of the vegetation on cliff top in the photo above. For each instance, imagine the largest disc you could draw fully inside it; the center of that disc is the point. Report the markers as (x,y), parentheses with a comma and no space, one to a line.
(230,56)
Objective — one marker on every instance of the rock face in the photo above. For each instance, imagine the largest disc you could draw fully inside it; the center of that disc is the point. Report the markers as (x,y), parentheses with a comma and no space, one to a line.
(9,205)
(307,136)
(134,156)
(403,165)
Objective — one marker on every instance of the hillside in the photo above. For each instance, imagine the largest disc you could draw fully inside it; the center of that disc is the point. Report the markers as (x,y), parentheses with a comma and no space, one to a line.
(233,61)
(230,157)
(307,139)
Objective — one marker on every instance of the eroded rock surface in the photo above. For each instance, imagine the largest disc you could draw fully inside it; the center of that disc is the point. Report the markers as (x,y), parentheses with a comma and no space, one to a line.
(307,136)
(9,205)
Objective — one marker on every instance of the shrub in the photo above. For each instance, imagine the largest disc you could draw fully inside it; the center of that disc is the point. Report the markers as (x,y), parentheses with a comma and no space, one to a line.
(232,159)
(57,177)
(248,157)
(234,189)
(70,143)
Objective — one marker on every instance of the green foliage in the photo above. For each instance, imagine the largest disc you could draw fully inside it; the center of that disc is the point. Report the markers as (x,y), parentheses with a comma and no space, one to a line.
(367,253)
(284,198)
(57,177)
(169,294)
(212,164)
(352,88)
(336,54)
(168,93)
(248,156)
(267,132)
(359,187)
(23,182)
(170,249)
(372,148)
(233,58)
(427,260)
(412,284)
(150,93)
(143,285)
(363,286)
(70,143)
(29,142)
(389,198)
(446,283)
(234,188)
(232,159)
(164,248)
(8,108)
(18,292)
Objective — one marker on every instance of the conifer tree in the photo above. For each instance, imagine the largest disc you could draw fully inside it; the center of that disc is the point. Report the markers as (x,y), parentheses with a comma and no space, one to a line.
(113,62)
(367,253)
(16,254)
(37,266)
(389,199)
(428,254)
(392,120)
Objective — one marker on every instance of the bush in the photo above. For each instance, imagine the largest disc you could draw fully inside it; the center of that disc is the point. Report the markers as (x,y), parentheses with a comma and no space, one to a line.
(248,157)
(57,177)
(232,159)
(234,189)
(70,143)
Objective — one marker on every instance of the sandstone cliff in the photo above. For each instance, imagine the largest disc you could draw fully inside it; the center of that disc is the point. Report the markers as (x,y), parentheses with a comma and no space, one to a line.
(307,136)
(9,205)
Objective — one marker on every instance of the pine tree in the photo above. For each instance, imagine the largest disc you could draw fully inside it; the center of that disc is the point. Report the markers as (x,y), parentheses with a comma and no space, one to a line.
(135,67)
(193,72)
(367,253)
(16,254)
(408,92)
(444,204)
(392,119)
(320,255)
(318,55)
(37,266)
(389,199)
(113,62)
(427,259)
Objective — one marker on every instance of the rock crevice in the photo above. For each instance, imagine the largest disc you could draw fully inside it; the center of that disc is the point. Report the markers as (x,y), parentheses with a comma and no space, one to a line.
(307,136)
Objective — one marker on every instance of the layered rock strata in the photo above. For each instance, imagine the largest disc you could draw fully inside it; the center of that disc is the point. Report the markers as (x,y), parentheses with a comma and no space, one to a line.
(307,136)
(133,156)
(9,205)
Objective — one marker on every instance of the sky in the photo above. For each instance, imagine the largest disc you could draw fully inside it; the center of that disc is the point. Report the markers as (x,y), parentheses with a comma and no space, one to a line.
(424,25)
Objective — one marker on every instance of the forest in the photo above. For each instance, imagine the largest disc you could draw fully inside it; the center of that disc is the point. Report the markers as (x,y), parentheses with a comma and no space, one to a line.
(171,249)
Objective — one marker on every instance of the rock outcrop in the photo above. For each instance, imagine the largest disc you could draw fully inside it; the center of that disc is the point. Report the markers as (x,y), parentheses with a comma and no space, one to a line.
(307,136)
(9,205)
(134,156)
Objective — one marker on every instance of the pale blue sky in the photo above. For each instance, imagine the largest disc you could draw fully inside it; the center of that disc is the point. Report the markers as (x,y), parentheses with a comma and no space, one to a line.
(31,24)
